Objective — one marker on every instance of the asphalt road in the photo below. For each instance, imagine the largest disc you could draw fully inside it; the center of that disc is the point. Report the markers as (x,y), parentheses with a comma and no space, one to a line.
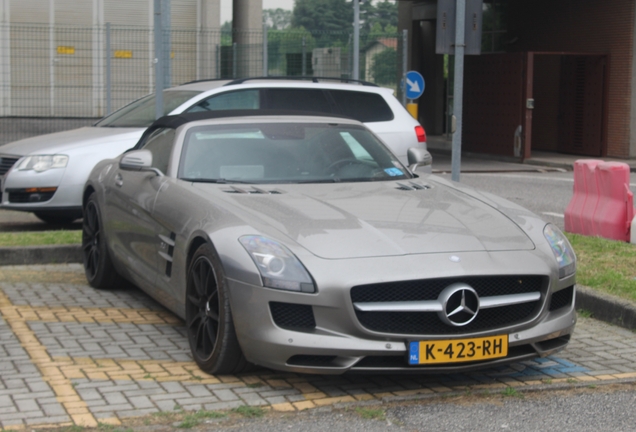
(585,409)
(545,193)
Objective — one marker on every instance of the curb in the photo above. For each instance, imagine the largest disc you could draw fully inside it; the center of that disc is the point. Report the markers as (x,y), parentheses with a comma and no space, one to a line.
(604,307)
(29,255)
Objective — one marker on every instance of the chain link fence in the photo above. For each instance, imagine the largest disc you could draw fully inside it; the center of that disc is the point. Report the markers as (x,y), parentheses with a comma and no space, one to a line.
(55,78)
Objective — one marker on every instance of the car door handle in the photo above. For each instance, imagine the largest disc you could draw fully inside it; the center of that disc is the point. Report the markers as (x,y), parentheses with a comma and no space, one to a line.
(119,181)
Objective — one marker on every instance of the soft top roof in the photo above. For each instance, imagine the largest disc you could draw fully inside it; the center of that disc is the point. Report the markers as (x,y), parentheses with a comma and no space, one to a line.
(175,121)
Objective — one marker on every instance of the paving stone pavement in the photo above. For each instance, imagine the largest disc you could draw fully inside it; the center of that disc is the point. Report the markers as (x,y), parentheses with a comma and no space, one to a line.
(74,355)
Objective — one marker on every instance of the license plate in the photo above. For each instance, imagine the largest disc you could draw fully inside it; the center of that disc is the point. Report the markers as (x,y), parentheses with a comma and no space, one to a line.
(458,350)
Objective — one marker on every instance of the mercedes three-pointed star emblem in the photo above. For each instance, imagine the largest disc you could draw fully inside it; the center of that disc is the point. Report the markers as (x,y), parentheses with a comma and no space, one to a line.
(460,304)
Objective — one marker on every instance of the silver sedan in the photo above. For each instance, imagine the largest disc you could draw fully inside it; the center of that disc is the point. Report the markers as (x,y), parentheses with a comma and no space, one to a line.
(303,244)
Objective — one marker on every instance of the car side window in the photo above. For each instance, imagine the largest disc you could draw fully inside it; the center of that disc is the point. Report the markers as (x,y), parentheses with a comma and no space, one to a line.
(242,99)
(160,145)
(298,99)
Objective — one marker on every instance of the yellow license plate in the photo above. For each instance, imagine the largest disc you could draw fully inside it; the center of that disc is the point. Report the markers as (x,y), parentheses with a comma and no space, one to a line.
(458,350)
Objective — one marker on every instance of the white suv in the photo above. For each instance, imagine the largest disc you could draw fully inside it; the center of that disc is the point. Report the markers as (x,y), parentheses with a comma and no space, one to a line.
(46,174)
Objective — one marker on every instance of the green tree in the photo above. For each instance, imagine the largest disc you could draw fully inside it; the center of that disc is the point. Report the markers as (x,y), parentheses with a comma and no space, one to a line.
(277,19)
(386,13)
(329,20)
(383,68)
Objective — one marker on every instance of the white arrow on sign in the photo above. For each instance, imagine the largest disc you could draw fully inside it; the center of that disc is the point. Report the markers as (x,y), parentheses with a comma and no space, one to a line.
(414,86)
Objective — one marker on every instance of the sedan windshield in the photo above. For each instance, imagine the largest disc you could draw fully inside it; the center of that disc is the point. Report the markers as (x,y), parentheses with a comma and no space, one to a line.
(287,153)
(141,113)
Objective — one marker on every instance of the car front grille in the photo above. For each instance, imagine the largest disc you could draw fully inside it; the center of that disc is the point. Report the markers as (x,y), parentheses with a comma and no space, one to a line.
(562,298)
(292,316)
(25,196)
(429,323)
(6,163)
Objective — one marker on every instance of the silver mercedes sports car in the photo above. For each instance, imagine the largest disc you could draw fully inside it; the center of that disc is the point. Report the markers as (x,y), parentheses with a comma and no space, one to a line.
(301,243)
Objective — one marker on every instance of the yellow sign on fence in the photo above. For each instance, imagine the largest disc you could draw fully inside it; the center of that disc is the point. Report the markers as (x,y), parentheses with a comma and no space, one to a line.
(67,50)
(123,54)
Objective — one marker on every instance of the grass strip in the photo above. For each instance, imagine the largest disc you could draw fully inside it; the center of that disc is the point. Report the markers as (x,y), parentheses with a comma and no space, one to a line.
(40,238)
(605,265)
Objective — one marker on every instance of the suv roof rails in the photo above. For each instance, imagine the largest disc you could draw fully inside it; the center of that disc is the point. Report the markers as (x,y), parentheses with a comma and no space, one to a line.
(303,78)
(205,80)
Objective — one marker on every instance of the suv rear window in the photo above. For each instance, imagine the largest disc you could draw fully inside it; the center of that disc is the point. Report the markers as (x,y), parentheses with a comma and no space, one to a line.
(364,107)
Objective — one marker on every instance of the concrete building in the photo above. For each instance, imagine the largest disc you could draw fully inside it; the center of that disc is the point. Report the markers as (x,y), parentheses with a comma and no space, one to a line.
(572,60)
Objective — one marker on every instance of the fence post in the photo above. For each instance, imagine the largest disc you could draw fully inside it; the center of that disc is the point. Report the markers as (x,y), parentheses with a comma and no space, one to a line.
(265,59)
(158,61)
(218,60)
(304,58)
(234,60)
(356,40)
(52,61)
(109,106)
(5,68)
(166,32)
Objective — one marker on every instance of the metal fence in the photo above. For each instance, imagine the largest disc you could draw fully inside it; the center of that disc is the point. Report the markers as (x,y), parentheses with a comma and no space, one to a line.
(60,77)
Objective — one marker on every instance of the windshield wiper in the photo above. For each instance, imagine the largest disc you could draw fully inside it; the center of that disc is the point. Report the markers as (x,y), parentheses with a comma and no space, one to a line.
(218,181)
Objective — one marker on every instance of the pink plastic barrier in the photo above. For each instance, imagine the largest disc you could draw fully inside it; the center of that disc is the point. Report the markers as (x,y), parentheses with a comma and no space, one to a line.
(602,204)
(585,196)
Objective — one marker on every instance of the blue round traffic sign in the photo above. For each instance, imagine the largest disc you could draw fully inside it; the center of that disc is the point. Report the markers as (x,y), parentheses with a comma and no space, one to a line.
(414,84)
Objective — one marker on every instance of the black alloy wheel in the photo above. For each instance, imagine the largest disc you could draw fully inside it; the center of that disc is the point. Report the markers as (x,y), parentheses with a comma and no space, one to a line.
(210,327)
(98,266)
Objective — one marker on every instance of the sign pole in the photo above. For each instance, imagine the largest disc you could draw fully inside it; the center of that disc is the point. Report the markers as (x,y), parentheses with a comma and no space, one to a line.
(458,88)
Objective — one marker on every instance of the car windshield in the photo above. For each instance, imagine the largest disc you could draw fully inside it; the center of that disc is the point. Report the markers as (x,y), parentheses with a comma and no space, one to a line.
(287,153)
(141,113)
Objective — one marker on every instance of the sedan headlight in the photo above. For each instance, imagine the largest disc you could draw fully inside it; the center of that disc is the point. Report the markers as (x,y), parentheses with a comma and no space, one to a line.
(40,163)
(279,267)
(562,250)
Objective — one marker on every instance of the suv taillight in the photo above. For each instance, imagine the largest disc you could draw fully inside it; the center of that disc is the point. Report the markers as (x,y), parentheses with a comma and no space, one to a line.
(421,134)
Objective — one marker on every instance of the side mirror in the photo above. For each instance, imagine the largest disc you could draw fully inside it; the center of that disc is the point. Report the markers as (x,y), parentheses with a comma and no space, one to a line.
(138,160)
(418,157)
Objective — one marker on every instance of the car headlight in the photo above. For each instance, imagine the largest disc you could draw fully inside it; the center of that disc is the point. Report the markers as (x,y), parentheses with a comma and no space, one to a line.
(279,267)
(40,163)
(562,250)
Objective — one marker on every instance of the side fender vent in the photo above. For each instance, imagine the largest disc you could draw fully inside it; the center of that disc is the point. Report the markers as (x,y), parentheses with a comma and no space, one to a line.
(166,250)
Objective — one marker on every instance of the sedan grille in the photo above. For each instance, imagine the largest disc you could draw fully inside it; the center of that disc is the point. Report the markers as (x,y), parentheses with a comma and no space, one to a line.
(6,163)
(429,289)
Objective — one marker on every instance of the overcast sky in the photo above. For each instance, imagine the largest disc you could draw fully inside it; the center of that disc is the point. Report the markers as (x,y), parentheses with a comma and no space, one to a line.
(226,7)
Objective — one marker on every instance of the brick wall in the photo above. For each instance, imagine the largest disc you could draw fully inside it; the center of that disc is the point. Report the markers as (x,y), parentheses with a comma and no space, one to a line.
(598,26)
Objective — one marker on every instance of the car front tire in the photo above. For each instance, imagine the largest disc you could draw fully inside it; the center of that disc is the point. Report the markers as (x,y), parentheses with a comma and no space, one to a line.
(98,266)
(210,327)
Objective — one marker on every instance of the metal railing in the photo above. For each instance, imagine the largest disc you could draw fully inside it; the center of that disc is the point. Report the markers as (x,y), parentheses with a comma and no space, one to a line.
(58,77)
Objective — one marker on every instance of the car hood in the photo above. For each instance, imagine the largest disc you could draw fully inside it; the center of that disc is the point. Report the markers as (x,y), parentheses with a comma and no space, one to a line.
(65,141)
(354,220)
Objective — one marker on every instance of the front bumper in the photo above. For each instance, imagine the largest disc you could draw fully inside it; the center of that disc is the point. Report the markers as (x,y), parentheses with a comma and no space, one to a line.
(21,191)
(331,348)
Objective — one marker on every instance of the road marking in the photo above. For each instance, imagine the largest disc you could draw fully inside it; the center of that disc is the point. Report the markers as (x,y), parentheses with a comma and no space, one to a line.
(559,215)
(63,388)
